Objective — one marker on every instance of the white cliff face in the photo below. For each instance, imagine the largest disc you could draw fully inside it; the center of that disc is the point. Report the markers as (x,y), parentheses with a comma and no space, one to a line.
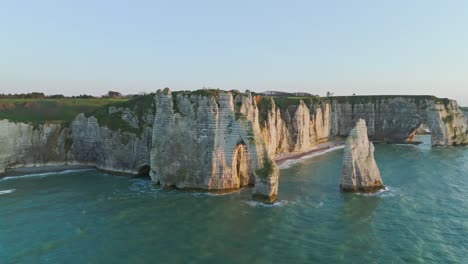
(360,172)
(447,124)
(320,129)
(275,133)
(24,145)
(200,141)
(393,119)
(298,128)
(218,140)
(110,150)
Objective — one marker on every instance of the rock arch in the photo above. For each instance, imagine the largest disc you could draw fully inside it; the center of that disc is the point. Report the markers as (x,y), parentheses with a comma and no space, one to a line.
(241,165)
(392,119)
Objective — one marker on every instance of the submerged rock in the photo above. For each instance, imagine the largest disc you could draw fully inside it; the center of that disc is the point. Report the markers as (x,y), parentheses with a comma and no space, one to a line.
(360,172)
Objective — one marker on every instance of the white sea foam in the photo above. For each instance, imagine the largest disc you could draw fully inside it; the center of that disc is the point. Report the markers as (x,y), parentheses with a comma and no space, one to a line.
(45,174)
(386,192)
(260,204)
(406,145)
(221,193)
(143,186)
(319,205)
(7,191)
(289,163)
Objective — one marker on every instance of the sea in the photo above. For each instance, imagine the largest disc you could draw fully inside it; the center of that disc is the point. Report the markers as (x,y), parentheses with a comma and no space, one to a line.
(89,216)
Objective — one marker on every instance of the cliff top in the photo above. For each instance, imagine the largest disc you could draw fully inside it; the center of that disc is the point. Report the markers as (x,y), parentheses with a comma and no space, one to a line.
(138,107)
(38,111)
(363,99)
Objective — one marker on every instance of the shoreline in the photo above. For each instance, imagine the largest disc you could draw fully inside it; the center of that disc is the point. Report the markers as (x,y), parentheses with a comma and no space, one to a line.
(59,168)
(20,171)
(286,160)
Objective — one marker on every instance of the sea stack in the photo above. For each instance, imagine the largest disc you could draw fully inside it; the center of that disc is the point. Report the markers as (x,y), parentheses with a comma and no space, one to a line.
(360,172)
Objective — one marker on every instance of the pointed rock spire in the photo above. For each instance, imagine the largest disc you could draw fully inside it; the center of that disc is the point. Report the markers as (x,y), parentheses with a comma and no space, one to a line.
(360,172)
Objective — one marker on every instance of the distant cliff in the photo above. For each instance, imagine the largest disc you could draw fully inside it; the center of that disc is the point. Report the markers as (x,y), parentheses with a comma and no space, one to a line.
(24,145)
(220,140)
(393,118)
(465,112)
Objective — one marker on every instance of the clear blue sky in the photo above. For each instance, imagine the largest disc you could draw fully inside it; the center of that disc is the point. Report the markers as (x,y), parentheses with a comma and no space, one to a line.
(362,47)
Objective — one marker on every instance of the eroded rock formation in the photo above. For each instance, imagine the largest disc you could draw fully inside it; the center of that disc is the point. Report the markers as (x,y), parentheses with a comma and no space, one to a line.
(218,140)
(25,145)
(394,118)
(118,151)
(360,172)
(202,141)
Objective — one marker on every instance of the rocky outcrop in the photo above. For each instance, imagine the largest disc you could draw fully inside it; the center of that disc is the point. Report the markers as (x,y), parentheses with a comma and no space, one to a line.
(360,172)
(465,112)
(295,127)
(206,141)
(117,151)
(25,145)
(116,139)
(394,118)
(218,140)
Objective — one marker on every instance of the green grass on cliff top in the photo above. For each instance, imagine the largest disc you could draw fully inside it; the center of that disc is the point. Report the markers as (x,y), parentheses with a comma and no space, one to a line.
(39,111)
(363,99)
(139,106)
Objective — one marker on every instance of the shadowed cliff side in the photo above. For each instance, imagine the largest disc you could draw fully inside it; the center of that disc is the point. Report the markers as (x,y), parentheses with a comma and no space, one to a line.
(116,137)
(25,145)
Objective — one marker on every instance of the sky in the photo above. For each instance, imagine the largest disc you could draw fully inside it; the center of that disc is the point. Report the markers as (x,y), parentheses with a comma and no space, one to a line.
(346,47)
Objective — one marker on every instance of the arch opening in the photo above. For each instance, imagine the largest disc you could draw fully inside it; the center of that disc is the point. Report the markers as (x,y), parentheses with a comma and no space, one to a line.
(241,166)
(422,134)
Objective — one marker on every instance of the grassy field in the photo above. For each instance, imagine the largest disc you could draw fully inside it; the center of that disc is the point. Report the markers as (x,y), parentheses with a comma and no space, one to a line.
(38,111)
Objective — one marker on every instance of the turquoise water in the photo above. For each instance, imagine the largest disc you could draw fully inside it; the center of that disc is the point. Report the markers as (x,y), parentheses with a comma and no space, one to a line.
(93,217)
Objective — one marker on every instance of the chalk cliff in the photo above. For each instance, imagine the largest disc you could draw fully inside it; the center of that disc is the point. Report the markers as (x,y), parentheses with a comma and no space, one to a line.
(360,172)
(394,118)
(220,140)
(25,145)
(293,125)
(117,151)
(210,140)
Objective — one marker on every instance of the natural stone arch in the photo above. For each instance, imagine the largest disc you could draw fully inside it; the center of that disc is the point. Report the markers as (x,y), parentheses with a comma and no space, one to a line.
(422,129)
(393,118)
(241,165)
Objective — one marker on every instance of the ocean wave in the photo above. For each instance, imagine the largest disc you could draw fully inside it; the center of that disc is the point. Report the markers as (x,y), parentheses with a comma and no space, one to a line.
(207,193)
(45,174)
(319,205)
(289,163)
(260,204)
(7,191)
(383,193)
(143,186)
